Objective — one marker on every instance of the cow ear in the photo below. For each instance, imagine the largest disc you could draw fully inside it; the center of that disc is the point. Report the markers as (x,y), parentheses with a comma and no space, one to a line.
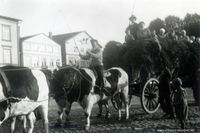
(107,74)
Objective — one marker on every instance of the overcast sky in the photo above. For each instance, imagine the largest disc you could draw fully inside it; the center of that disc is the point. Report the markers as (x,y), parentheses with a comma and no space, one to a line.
(105,20)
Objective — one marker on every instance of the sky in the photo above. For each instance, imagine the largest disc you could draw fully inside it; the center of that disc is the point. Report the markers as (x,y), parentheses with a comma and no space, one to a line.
(104,20)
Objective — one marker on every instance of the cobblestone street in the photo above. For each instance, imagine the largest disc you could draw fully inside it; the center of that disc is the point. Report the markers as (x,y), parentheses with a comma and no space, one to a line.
(139,121)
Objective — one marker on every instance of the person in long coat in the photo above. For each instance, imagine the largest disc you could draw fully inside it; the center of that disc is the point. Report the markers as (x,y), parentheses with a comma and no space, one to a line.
(180,102)
(165,92)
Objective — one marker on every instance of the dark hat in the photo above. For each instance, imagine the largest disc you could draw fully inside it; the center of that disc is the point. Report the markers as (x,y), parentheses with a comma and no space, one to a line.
(94,41)
(132,18)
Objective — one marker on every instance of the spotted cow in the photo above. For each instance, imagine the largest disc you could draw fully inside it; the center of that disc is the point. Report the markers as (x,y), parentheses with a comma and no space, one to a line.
(22,90)
(116,89)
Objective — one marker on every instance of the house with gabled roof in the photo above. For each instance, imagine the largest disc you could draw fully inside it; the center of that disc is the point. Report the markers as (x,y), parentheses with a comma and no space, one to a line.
(39,51)
(9,40)
(71,45)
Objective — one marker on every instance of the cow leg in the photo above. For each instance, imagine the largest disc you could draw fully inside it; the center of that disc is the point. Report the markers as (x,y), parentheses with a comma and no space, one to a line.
(44,113)
(67,111)
(24,123)
(61,105)
(107,110)
(125,98)
(119,114)
(119,104)
(60,117)
(89,104)
(88,111)
(13,122)
(100,109)
(31,119)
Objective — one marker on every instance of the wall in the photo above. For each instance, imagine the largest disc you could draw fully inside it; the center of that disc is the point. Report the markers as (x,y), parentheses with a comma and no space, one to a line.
(82,41)
(12,44)
(41,52)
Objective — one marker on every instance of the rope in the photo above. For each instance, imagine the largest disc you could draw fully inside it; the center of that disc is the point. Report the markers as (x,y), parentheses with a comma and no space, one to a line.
(20,99)
(134,6)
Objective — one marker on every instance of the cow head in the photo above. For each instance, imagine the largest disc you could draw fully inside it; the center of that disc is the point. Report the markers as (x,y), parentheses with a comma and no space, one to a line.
(62,82)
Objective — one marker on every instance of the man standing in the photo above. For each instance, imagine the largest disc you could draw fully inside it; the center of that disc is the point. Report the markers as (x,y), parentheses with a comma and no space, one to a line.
(96,57)
(164,93)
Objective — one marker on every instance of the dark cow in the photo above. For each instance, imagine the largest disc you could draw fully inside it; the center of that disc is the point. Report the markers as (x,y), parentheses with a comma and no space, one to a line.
(70,85)
(22,90)
(116,89)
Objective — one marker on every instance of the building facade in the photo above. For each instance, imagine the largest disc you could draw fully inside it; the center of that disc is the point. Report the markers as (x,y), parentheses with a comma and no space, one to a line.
(9,41)
(39,51)
(71,45)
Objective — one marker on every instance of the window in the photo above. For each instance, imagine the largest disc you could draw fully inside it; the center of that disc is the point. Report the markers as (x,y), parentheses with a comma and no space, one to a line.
(35,61)
(58,62)
(44,62)
(7,55)
(51,63)
(6,32)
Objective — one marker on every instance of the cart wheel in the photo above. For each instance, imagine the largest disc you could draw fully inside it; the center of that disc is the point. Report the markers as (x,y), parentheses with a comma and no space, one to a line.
(149,98)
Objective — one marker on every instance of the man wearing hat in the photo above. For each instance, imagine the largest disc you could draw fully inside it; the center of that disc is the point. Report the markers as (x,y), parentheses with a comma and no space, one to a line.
(96,57)
(131,30)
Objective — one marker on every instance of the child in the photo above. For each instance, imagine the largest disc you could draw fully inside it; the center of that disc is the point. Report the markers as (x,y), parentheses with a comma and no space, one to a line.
(180,102)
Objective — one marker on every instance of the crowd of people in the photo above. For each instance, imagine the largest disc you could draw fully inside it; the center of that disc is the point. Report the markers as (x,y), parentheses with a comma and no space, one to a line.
(169,84)
(136,31)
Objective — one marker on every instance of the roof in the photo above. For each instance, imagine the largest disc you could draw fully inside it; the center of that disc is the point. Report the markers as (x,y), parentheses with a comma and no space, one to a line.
(61,38)
(9,18)
(27,37)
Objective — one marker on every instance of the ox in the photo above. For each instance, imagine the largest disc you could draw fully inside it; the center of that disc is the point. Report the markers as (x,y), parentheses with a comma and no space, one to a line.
(71,84)
(116,89)
(22,90)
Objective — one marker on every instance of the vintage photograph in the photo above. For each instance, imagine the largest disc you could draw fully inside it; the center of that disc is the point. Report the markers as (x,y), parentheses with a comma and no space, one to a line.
(99,66)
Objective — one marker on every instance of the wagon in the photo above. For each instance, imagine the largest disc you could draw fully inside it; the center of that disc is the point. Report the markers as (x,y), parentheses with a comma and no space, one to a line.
(149,58)
(147,91)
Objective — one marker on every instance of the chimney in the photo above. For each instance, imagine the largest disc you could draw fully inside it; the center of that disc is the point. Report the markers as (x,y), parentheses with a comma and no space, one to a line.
(50,35)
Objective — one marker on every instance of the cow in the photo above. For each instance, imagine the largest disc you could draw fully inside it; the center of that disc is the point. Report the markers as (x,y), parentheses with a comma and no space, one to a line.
(78,85)
(22,90)
(116,89)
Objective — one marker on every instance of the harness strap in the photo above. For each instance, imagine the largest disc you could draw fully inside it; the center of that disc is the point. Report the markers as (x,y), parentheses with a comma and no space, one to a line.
(7,83)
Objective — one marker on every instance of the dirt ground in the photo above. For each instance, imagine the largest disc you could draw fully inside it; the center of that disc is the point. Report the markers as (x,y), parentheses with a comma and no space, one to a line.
(139,121)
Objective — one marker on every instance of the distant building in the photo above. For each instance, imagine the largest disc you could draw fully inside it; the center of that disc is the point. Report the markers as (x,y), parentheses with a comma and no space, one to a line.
(71,45)
(9,41)
(39,51)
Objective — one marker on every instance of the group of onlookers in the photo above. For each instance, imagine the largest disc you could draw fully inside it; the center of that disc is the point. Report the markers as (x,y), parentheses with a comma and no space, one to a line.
(136,31)
(172,96)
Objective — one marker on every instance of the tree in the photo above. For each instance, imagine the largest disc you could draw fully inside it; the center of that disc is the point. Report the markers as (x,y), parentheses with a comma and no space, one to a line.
(173,22)
(192,24)
(191,18)
(156,25)
(111,55)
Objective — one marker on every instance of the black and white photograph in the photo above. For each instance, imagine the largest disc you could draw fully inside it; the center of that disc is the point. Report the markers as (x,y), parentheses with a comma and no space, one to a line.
(99,66)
